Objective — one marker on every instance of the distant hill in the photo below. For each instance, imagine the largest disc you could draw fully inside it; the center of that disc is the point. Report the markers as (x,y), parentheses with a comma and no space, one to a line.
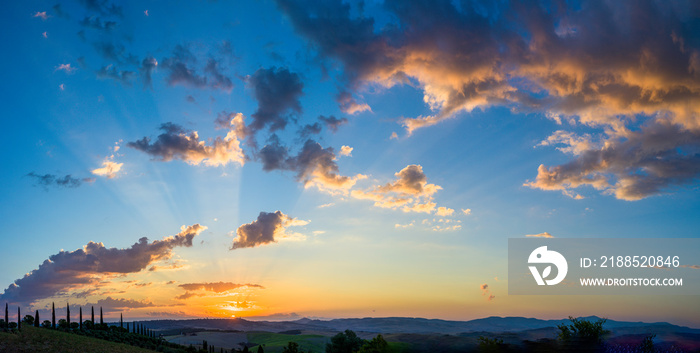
(40,340)
(401,325)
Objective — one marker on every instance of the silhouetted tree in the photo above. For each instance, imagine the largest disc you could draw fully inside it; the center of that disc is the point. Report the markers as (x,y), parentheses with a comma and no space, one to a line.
(101,321)
(376,345)
(245,349)
(121,320)
(292,347)
(28,319)
(36,318)
(344,342)
(582,334)
(92,317)
(7,316)
(81,319)
(260,349)
(53,316)
(204,345)
(68,314)
(19,323)
(46,324)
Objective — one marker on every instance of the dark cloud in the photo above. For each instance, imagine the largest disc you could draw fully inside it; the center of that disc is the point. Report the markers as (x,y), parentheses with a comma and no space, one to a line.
(267,228)
(182,66)
(277,91)
(410,191)
(116,53)
(110,305)
(218,80)
(76,270)
(313,165)
(215,287)
(602,64)
(66,181)
(643,163)
(148,64)
(98,24)
(332,123)
(103,7)
(310,129)
(111,72)
(177,143)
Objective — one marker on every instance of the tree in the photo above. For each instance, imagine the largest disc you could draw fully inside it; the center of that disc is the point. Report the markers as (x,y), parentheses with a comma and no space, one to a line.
(101,321)
(19,324)
(582,334)
(36,318)
(121,320)
(292,347)
(7,316)
(344,342)
(29,320)
(2,323)
(92,317)
(490,344)
(68,314)
(81,319)
(53,316)
(260,349)
(46,324)
(204,345)
(376,345)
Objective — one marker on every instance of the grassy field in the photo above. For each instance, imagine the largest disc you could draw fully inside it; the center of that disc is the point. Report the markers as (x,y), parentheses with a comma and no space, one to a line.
(32,339)
(273,342)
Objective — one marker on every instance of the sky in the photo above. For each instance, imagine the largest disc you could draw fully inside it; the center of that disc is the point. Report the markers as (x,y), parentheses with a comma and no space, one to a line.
(287,159)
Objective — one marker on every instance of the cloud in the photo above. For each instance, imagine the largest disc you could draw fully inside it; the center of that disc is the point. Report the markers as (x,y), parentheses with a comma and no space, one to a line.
(65,67)
(467,211)
(410,191)
(346,151)
(314,165)
(631,166)
(181,69)
(199,289)
(109,168)
(42,15)
(332,123)
(608,65)
(102,7)
(110,305)
(310,129)
(694,267)
(96,23)
(148,65)
(111,72)
(67,181)
(540,235)
(86,267)
(444,211)
(486,291)
(349,105)
(326,205)
(277,91)
(267,228)
(218,79)
(177,143)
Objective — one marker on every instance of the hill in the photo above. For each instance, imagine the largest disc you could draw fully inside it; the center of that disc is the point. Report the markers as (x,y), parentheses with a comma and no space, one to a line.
(31,339)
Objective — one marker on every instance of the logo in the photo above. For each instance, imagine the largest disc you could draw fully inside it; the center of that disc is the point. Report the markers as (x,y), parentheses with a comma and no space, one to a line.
(543,256)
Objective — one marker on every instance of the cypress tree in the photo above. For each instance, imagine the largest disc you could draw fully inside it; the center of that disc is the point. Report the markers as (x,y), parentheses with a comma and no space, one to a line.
(7,317)
(81,318)
(36,319)
(53,316)
(121,320)
(127,327)
(101,321)
(19,319)
(68,315)
(260,349)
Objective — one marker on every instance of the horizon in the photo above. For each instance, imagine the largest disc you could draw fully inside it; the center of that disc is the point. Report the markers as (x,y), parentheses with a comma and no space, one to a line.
(346,159)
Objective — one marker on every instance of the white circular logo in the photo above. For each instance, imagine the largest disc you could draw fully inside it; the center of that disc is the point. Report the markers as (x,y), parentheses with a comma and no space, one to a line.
(543,256)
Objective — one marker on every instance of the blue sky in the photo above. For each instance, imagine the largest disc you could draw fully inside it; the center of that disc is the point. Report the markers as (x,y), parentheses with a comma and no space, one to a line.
(402,143)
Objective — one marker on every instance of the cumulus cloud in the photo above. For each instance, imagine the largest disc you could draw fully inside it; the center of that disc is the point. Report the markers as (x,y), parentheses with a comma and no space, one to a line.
(314,165)
(177,143)
(109,168)
(267,228)
(75,270)
(540,235)
(410,191)
(444,211)
(110,305)
(349,105)
(111,72)
(52,180)
(346,151)
(98,24)
(200,289)
(467,211)
(277,91)
(608,65)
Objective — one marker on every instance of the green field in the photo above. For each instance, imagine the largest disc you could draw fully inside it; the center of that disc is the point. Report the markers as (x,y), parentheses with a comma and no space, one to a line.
(31,339)
(273,342)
